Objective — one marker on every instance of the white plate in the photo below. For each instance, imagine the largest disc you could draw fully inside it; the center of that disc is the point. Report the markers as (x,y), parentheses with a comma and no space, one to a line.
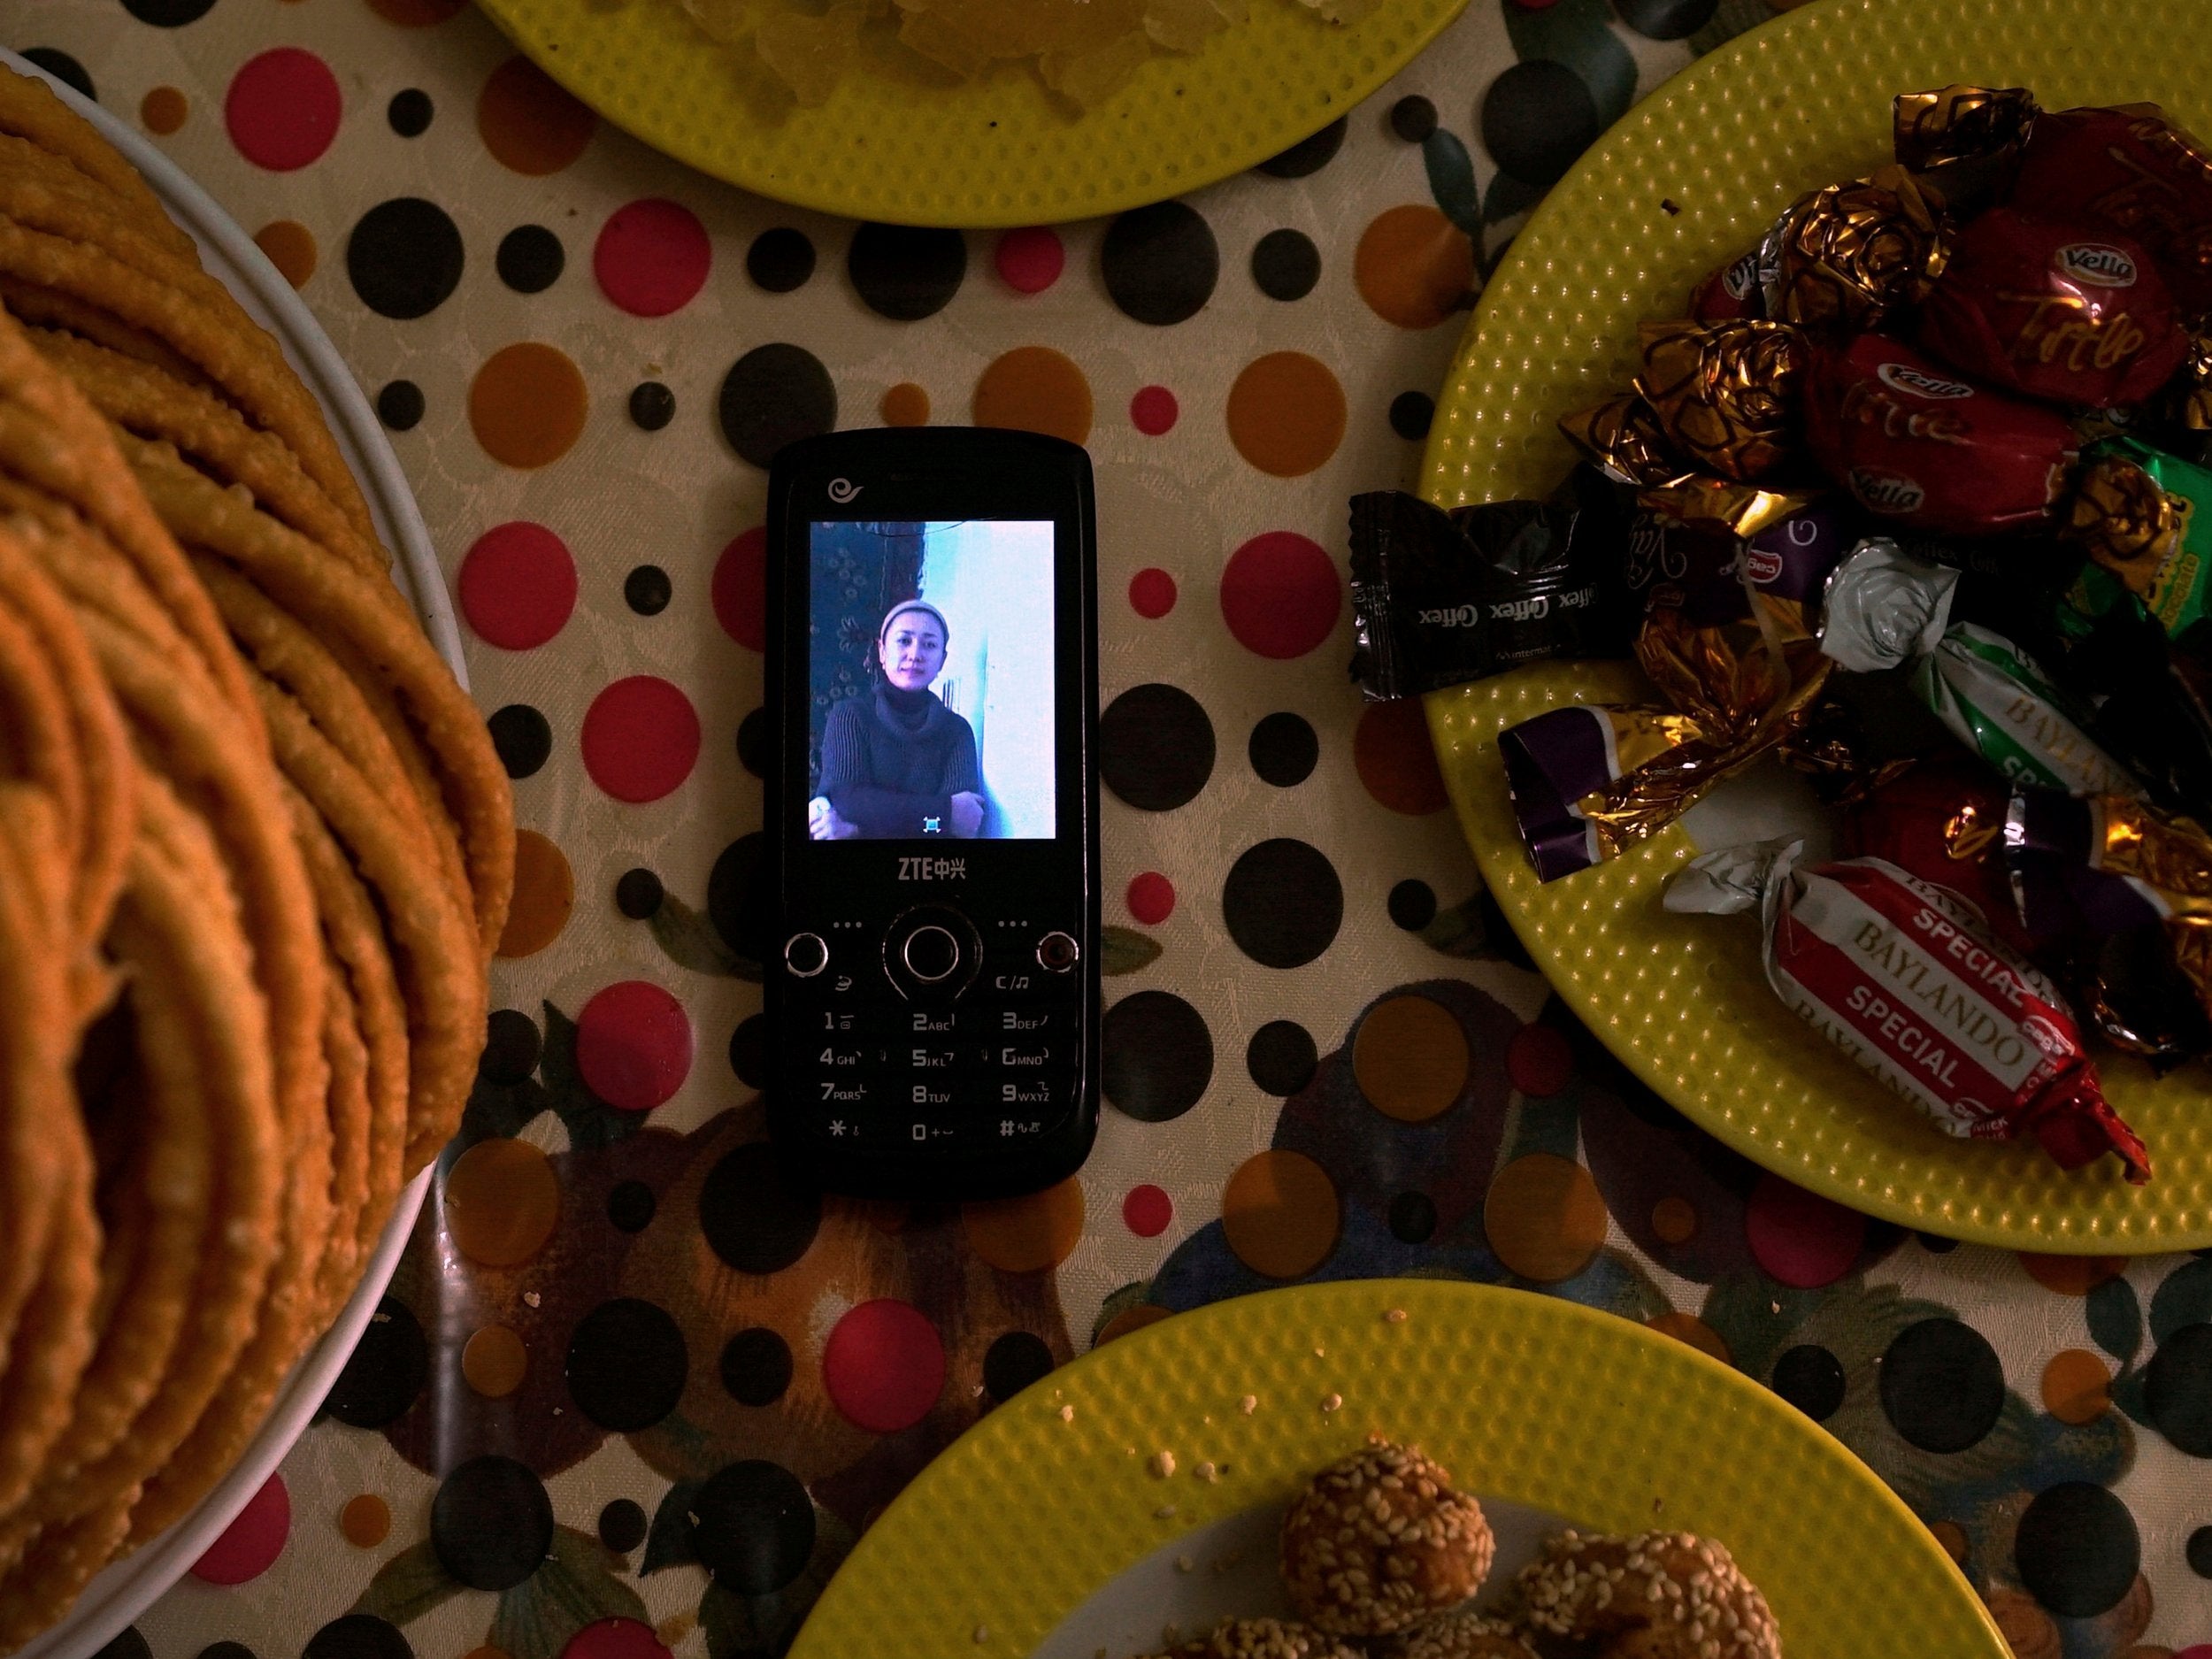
(118,1595)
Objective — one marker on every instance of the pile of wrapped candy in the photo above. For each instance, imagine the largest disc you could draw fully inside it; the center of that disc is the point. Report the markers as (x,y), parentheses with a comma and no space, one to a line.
(1915,500)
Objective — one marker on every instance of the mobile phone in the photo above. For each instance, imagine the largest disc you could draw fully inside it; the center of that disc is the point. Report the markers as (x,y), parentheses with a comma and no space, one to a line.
(932,814)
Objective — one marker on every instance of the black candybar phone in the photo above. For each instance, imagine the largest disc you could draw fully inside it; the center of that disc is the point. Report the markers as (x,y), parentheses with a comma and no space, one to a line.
(933,814)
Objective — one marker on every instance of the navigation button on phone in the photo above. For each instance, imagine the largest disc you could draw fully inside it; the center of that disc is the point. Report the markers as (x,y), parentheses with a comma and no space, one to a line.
(806,955)
(1057,952)
(930,954)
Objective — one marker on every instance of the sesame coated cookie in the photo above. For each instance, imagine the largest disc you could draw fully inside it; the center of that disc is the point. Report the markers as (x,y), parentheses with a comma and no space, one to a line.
(1464,1636)
(1260,1638)
(1379,1542)
(1655,1595)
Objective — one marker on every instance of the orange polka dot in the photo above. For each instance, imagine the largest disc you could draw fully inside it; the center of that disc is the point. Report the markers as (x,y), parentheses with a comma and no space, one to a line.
(1674,1220)
(529,124)
(1035,388)
(2072,1275)
(1544,1217)
(527,404)
(2077,1386)
(1414,266)
(416,14)
(1280,1213)
(1952,1536)
(291,250)
(1130,1320)
(2026,1628)
(366,1520)
(1285,414)
(905,404)
(1396,760)
(494,1360)
(545,893)
(1410,1058)
(501,1201)
(163,109)
(1687,1328)
(1026,1235)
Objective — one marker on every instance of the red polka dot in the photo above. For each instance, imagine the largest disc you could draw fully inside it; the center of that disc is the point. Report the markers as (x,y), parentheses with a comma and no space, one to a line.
(2202,1650)
(640,739)
(1396,760)
(251,1544)
(1151,898)
(1146,1211)
(1152,594)
(615,1639)
(1280,594)
(1153,411)
(1800,1238)
(1030,260)
(517,585)
(634,1045)
(884,1366)
(651,257)
(1539,1060)
(740,589)
(282,109)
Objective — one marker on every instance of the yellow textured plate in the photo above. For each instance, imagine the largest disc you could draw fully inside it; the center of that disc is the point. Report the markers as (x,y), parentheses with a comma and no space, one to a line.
(899,142)
(1798,103)
(1526,1398)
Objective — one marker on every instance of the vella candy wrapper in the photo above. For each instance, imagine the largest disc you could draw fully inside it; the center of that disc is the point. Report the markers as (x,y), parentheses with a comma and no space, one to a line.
(1903,977)
(2131,170)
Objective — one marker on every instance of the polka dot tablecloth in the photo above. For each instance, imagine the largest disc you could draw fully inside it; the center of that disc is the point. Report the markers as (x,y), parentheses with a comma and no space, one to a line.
(632,1393)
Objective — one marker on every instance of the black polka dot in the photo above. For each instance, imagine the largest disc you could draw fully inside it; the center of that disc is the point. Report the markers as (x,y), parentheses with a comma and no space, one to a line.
(1413,118)
(71,74)
(1282,903)
(779,260)
(755,1217)
(1160,262)
(410,113)
(399,405)
(1013,1362)
(1281,1057)
(773,394)
(1810,1379)
(627,1365)
(1412,904)
(752,1527)
(1285,265)
(1156,747)
(226,1650)
(2076,1549)
(1283,751)
(1536,118)
(1410,413)
(647,590)
(127,1643)
(1308,155)
(756,1367)
(907,272)
(530,260)
(1158,1056)
(631,1206)
(1942,1384)
(652,405)
(511,1046)
(622,1525)
(387,1369)
(522,737)
(1666,19)
(491,1523)
(756,733)
(739,903)
(638,895)
(2199,1552)
(404,257)
(1413,1218)
(748,1051)
(2177,1389)
(358,1636)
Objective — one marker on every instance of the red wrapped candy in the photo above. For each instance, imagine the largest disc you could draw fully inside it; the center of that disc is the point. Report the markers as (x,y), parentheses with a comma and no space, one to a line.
(2131,170)
(1730,292)
(1943,821)
(1914,443)
(2045,308)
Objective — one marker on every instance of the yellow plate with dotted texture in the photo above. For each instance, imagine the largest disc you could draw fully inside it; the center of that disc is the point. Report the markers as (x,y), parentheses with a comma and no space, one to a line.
(1526,1398)
(1689,178)
(899,141)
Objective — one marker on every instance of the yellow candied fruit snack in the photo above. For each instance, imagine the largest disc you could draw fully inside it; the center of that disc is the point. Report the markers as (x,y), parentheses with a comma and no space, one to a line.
(1183,25)
(1088,78)
(811,55)
(727,21)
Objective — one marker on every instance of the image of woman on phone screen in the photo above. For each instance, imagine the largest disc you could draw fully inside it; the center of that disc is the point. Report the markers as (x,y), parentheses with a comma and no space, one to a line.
(897,764)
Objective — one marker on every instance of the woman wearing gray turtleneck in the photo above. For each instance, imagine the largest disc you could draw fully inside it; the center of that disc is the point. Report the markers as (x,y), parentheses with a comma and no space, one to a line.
(898,765)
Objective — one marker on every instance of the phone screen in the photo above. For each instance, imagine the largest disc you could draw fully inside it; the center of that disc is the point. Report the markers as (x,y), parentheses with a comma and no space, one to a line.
(930,666)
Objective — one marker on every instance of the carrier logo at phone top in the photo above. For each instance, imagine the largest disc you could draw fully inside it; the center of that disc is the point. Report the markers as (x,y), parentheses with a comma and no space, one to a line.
(842,490)
(932,869)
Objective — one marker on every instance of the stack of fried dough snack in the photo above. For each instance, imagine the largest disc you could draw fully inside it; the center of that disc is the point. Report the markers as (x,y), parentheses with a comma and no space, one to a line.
(255,851)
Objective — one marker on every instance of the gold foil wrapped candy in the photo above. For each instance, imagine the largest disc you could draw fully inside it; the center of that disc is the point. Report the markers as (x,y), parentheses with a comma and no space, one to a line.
(2189,395)
(2129,524)
(1849,257)
(1725,393)
(1961,123)
(1623,438)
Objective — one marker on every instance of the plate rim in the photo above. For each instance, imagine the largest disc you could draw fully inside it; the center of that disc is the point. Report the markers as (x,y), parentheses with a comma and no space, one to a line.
(143,1577)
